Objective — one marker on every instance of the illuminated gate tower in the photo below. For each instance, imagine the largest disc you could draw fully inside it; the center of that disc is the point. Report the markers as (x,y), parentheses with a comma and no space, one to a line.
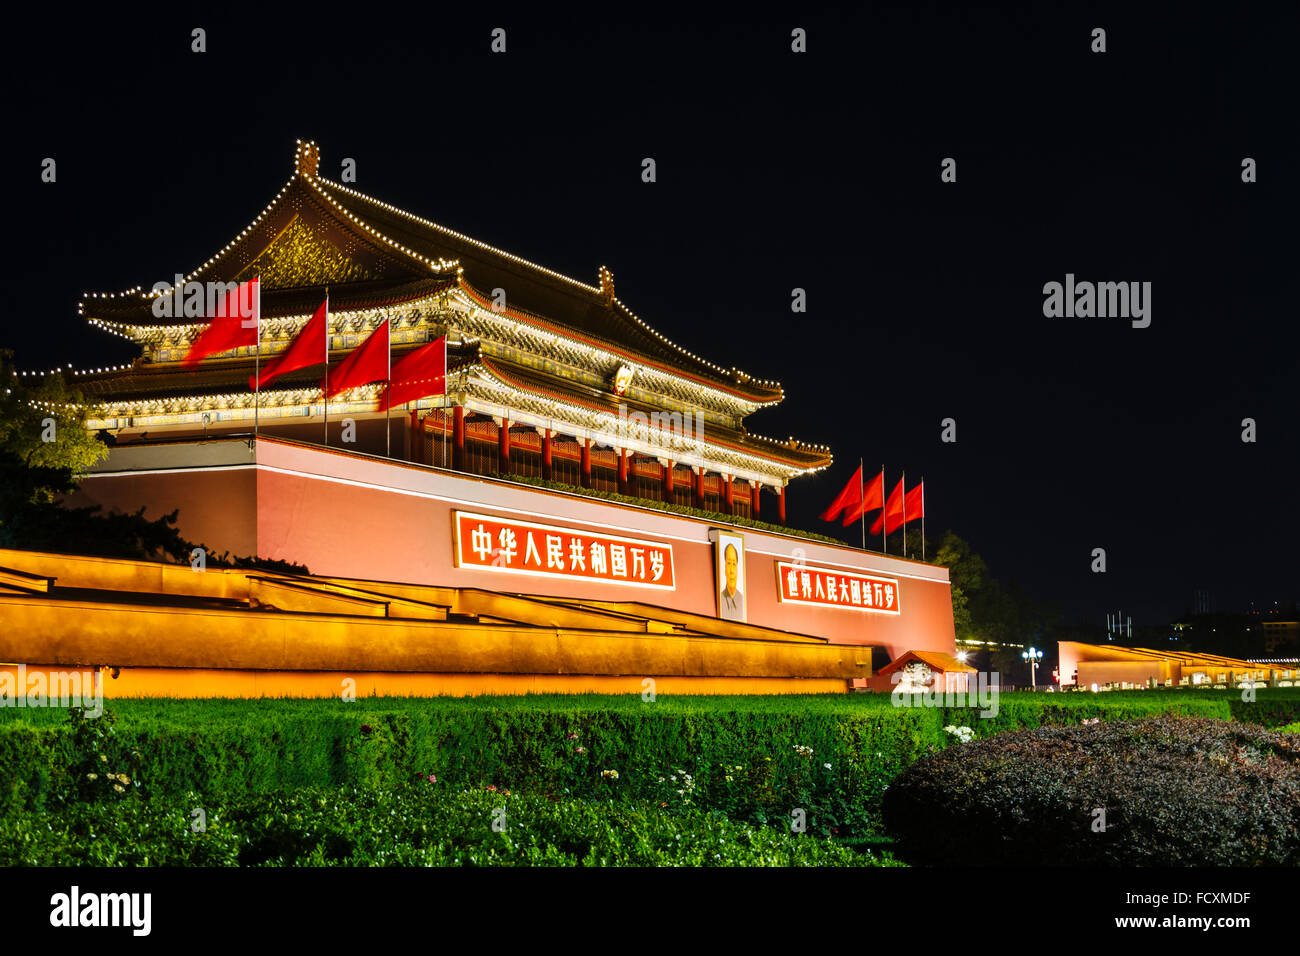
(547,376)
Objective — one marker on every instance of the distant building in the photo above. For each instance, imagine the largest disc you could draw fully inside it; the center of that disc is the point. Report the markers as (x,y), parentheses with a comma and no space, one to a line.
(1111,666)
(1280,635)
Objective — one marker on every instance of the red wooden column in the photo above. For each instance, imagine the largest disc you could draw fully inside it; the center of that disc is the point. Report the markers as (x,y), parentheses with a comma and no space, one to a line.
(780,504)
(755,488)
(458,439)
(546,455)
(586,463)
(624,458)
(503,446)
(667,482)
(727,493)
(698,490)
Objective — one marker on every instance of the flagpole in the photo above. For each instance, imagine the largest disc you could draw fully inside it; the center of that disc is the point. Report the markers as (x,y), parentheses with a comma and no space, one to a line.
(446,373)
(922,517)
(862,489)
(884,539)
(902,483)
(388,409)
(325,392)
(257,363)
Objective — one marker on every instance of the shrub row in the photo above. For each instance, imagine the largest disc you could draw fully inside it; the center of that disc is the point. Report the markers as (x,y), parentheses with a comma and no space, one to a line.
(415,825)
(755,764)
(753,758)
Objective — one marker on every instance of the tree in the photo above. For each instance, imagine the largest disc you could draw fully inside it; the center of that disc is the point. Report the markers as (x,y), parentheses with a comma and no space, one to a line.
(985,610)
(969,576)
(45,449)
(44,445)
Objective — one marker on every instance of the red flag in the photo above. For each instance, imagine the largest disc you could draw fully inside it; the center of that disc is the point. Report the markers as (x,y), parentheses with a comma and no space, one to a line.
(892,516)
(418,375)
(873,497)
(914,503)
(309,347)
(234,325)
(849,497)
(367,363)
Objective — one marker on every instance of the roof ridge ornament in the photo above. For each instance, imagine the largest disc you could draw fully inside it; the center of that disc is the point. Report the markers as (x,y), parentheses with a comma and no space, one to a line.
(306,159)
(606,285)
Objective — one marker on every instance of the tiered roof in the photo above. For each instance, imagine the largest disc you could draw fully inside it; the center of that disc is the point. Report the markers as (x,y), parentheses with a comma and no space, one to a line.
(316,233)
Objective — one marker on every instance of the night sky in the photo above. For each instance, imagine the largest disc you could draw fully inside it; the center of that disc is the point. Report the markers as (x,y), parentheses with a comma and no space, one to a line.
(778,170)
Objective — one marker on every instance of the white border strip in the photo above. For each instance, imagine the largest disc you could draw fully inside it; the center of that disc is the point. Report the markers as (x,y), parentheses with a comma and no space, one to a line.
(514,510)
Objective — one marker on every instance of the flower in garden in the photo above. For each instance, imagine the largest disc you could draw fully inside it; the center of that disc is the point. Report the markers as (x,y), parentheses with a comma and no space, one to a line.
(609,774)
(663,803)
(827,766)
(103,758)
(1093,721)
(492,788)
(433,778)
(119,788)
(579,750)
(571,736)
(803,750)
(365,728)
(92,776)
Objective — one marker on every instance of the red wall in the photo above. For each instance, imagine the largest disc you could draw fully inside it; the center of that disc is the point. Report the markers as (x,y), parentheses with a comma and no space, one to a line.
(215,507)
(340,514)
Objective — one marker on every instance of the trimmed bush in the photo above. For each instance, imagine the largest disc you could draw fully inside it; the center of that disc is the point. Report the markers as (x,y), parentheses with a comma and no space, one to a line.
(1173,791)
(412,826)
(740,753)
(755,759)
(1271,708)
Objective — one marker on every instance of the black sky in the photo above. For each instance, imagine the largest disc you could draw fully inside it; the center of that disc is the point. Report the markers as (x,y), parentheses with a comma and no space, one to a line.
(778,170)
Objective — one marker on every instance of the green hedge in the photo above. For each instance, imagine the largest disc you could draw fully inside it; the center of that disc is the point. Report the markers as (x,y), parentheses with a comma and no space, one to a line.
(1020,711)
(562,747)
(415,825)
(1271,708)
(225,750)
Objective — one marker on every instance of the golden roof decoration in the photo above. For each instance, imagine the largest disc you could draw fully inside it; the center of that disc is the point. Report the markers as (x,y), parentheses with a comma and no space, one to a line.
(299,257)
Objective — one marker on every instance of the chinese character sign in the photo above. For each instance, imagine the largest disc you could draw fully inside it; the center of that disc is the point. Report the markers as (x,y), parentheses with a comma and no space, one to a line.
(494,543)
(827,587)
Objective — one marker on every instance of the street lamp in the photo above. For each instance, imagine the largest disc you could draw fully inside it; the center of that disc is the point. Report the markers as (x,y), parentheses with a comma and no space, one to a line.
(1032,655)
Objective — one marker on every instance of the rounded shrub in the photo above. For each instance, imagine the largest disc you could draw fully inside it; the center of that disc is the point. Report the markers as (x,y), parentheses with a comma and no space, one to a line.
(1158,791)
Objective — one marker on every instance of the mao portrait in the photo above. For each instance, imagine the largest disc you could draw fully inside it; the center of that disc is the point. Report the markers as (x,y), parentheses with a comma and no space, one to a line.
(731,577)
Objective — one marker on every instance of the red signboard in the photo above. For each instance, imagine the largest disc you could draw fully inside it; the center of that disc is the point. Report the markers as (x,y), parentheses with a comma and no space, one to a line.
(494,543)
(827,587)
